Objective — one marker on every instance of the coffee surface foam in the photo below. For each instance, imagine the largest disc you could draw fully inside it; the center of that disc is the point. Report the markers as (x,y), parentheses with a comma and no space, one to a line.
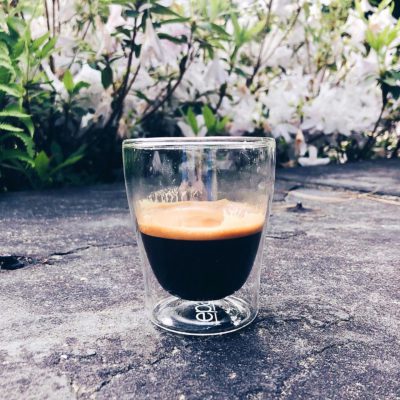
(198,220)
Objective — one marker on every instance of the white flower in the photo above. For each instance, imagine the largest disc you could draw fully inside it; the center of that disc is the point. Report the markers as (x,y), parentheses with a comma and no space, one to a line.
(365,6)
(152,52)
(362,68)
(38,27)
(115,18)
(283,8)
(174,50)
(192,83)
(272,41)
(101,38)
(143,80)
(216,73)
(300,146)
(242,110)
(67,11)
(397,129)
(86,119)
(380,20)
(282,100)
(353,107)
(284,130)
(103,109)
(356,28)
(312,159)
(92,96)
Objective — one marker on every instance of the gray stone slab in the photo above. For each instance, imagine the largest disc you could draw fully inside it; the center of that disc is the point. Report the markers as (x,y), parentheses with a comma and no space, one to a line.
(72,324)
(380,176)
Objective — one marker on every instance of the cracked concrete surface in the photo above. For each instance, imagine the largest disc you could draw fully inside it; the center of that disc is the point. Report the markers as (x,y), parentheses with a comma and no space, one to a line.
(72,324)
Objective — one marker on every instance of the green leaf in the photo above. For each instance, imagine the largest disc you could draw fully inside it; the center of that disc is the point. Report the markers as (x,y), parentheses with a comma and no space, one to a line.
(159,9)
(80,85)
(191,119)
(5,57)
(9,128)
(29,125)
(24,138)
(41,164)
(16,26)
(56,152)
(220,127)
(13,154)
(142,96)
(180,20)
(39,41)
(68,81)
(209,118)
(255,30)
(18,48)
(371,40)
(3,48)
(68,162)
(6,65)
(131,13)
(13,113)
(16,111)
(72,159)
(174,39)
(383,4)
(218,29)
(182,64)
(236,29)
(48,48)
(106,77)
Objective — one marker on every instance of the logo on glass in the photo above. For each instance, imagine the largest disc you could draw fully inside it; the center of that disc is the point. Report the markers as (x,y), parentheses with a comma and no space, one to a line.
(206,312)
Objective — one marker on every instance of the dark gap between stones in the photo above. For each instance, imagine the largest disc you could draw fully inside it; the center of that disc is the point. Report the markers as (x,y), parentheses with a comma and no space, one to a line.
(14,262)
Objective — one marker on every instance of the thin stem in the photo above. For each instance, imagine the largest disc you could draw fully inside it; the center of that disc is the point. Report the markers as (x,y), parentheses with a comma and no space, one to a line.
(51,59)
(258,63)
(83,38)
(222,93)
(133,79)
(368,145)
(271,52)
(54,18)
(170,90)
(123,89)
(47,15)
(283,38)
(379,118)
(59,20)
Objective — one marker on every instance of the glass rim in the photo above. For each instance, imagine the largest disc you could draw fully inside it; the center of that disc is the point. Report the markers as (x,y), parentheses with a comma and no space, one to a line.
(222,142)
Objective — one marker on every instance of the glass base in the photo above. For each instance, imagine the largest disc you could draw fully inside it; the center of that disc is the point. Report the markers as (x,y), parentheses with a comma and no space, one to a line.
(203,317)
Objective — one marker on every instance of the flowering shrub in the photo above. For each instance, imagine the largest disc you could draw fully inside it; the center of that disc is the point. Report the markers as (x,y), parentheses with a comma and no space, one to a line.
(320,76)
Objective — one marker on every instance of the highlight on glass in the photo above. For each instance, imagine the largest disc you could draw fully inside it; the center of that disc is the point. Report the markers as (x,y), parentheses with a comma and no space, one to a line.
(200,207)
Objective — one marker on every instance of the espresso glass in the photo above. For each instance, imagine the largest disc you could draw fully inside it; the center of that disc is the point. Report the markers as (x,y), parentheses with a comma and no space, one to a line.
(200,208)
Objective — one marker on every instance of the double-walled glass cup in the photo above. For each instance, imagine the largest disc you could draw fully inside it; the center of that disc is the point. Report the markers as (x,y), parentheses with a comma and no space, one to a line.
(200,208)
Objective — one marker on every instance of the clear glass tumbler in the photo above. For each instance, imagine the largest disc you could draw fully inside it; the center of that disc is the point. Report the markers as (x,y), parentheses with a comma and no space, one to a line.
(200,207)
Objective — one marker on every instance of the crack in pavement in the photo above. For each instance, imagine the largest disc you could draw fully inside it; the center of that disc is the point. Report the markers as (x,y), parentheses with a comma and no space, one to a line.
(285,235)
(111,374)
(314,322)
(12,262)
(376,195)
(89,246)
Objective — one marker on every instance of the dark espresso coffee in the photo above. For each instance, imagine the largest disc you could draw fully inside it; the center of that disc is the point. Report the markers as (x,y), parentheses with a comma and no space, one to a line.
(200,250)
